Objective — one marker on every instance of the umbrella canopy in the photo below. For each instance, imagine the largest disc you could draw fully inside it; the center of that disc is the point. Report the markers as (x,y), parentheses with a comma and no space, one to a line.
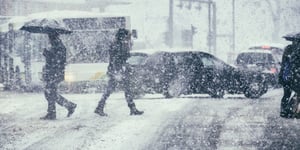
(292,36)
(46,25)
(17,23)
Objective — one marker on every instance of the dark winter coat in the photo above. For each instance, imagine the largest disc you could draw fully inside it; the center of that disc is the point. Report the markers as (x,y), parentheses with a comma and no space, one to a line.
(295,69)
(53,70)
(290,69)
(118,55)
(285,73)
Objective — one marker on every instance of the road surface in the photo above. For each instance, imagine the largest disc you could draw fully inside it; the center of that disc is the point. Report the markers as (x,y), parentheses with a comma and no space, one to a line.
(188,122)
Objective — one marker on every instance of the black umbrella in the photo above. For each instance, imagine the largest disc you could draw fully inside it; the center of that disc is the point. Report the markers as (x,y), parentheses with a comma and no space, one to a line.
(292,36)
(47,26)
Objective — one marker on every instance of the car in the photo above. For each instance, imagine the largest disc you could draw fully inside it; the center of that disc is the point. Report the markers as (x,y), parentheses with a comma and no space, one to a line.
(265,59)
(193,72)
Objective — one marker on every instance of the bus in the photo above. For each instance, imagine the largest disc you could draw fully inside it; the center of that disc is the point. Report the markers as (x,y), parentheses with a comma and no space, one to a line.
(87,50)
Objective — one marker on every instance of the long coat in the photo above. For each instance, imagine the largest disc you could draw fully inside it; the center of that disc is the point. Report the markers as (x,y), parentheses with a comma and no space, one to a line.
(295,68)
(285,69)
(118,54)
(53,70)
(290,68)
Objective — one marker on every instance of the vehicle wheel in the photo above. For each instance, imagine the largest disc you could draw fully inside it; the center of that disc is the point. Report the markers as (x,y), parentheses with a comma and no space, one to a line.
(215,90)
(256,89)
(176,88)
(217,93)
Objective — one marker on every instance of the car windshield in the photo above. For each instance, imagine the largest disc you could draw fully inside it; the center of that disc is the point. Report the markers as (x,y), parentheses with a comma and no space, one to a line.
(136,59)
(276,51)
(254,58)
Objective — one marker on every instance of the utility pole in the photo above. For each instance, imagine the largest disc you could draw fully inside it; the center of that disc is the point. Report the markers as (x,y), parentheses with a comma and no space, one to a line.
(209,38)
(233,26)
(214,27)
(170,23)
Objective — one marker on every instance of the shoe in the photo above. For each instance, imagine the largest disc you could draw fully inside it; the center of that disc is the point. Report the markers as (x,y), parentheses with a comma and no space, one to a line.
(100,113)
(49,116)
(99,109)
(286,115)
(133,110)
(297,116)
(136,112)
(71,110)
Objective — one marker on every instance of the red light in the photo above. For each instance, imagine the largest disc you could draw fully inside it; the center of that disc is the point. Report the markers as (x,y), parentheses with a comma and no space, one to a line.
(266,47)
(273,70)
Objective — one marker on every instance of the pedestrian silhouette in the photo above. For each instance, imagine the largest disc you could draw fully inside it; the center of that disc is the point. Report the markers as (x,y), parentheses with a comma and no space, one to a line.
(289,77)
(53,74)
(118,73)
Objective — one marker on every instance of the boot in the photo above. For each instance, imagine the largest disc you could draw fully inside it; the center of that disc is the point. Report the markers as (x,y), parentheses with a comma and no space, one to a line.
(49,116)
(133,110)
(99,110)
(71,109)
(286,113)
(51,111)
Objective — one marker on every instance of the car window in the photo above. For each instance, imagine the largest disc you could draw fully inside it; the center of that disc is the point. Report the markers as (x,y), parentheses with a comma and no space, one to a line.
(254,58)
(207,62)
(277,57)
(136,60)
(218,63)
(154,59)
(182,61)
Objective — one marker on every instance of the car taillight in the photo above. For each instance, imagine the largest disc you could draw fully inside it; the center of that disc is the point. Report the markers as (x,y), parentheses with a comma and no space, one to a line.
(266,47)
(273,70)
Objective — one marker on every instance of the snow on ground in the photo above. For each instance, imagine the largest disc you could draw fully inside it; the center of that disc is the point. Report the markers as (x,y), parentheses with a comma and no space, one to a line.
(21,128)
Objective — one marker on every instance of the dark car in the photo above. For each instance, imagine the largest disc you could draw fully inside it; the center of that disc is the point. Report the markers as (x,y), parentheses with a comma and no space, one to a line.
(263,59)
(194,72)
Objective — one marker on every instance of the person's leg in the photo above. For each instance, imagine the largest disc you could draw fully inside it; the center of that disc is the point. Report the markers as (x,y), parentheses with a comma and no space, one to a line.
(129,99)
(109,89)
(50,95)
(285,107)
(70,106)
(297,106)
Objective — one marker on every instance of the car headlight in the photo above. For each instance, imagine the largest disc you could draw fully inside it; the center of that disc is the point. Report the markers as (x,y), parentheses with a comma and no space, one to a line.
(97,75)
(69,77)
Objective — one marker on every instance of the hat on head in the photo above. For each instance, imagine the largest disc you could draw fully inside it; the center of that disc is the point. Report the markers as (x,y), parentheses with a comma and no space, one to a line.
(122,34)
(292,37)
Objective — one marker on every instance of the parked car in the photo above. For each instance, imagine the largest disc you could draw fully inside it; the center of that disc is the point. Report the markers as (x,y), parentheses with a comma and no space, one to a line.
(265,59)
(194,72)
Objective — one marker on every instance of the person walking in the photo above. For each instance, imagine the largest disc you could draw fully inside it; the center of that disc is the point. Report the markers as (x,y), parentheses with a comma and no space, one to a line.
(53,74)
(288,77)
(118,73)
(284,80)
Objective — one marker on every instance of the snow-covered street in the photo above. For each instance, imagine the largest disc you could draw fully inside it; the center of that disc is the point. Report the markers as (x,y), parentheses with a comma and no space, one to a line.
(192,121)
(22,129)
(215,67)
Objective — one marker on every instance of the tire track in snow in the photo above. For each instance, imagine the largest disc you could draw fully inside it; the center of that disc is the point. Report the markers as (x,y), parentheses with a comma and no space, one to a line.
(80,135)
(243,130)
(24,130)
(199,126)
